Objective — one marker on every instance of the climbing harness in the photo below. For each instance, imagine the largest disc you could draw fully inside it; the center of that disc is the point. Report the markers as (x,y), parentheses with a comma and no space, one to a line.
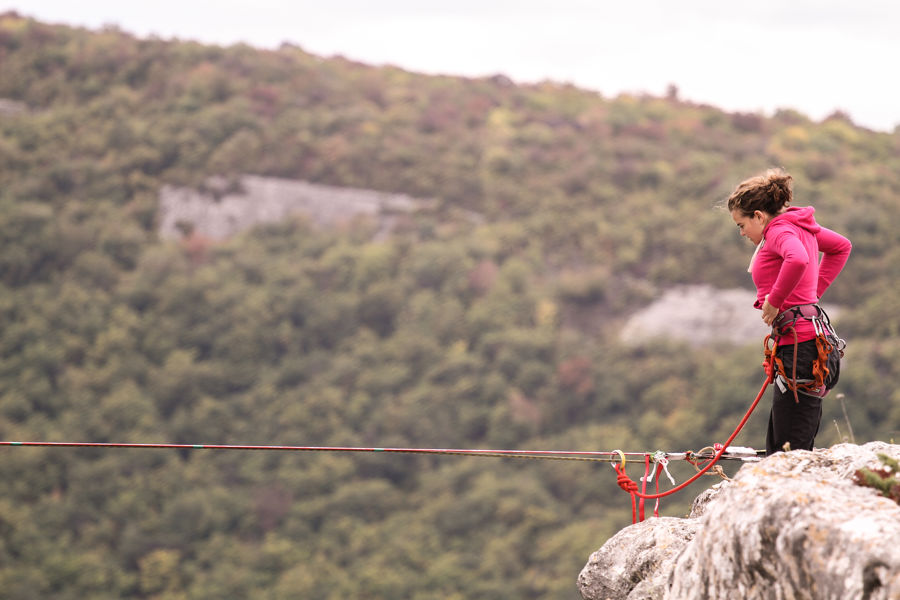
(829,351)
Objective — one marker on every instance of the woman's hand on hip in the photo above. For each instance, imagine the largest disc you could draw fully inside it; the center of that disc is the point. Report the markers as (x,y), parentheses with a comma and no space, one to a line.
(769,312)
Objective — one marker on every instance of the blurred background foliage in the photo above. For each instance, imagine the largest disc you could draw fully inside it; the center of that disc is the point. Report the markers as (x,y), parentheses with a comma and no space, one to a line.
(501,333)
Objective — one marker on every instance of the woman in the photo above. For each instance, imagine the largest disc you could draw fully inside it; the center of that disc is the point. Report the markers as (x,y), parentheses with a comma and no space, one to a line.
(790,279)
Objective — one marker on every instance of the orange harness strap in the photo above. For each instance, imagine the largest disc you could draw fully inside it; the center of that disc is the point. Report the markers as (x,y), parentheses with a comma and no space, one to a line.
(824,348)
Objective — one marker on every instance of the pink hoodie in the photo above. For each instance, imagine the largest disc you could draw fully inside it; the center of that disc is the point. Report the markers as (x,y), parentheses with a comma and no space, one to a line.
(787,267)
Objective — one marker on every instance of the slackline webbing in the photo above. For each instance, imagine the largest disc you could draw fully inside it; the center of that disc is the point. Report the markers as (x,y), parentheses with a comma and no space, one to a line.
(610,457)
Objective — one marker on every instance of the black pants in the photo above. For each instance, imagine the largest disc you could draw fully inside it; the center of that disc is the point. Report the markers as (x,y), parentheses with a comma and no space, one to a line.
(792,422)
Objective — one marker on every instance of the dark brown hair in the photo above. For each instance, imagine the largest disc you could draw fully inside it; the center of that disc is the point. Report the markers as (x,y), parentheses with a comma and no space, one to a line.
(770,193)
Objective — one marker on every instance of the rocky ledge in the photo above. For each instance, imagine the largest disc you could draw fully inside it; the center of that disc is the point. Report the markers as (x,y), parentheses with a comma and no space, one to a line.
(793,525)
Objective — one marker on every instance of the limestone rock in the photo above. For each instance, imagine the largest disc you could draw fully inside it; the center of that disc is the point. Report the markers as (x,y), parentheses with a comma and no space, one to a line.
(701,315)
(791,526)
(227,208)
(635,563)
(12,108)
(698,507)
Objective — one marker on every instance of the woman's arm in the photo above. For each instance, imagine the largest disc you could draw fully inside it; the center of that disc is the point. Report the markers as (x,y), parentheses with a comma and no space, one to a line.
(836,250)
(794,262)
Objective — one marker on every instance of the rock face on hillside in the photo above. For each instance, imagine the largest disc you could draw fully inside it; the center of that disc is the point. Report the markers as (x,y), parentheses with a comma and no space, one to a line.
(702,315)
(223,210)
(12,108)
(791,526)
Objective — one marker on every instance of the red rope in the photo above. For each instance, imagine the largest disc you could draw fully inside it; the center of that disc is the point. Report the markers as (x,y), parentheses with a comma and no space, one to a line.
(644,483)
(631,487)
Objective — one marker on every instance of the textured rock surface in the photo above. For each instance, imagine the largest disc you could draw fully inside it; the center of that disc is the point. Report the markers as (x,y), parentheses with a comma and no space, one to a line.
(791,526)
(12,108)
(268,200)
(636,562)
(701,315)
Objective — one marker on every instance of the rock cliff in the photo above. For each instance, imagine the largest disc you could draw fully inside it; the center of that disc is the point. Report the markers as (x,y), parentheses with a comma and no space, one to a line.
(227,208)
(702,315)
(793,525)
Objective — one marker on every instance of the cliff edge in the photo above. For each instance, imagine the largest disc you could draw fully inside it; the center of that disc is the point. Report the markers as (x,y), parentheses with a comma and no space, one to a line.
(793,525)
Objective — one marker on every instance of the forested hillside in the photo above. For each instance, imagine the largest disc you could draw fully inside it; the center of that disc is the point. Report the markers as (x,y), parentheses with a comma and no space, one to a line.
(451,333)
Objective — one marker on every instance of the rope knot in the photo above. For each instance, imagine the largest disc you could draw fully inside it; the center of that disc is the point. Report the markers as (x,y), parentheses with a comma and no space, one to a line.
(625,481)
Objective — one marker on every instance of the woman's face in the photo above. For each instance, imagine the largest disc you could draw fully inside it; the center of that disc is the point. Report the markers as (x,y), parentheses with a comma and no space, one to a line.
(752,226)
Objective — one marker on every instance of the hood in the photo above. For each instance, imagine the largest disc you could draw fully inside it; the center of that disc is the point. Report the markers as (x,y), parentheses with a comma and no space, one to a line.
(801,216)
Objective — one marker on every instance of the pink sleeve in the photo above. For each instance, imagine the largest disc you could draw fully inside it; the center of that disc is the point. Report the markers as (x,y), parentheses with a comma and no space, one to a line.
(836,250)
(791,250)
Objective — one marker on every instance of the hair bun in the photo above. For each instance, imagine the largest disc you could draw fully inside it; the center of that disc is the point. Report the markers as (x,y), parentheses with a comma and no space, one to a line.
(770,193)
(779,188)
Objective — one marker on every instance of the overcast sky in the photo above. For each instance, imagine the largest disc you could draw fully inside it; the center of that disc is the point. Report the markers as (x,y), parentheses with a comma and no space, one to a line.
(815,56)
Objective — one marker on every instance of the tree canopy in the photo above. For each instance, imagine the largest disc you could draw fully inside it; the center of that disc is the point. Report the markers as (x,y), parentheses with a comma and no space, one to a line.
(498,333)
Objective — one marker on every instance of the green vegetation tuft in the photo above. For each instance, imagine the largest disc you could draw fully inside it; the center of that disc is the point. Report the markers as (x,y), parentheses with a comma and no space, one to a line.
(885,479)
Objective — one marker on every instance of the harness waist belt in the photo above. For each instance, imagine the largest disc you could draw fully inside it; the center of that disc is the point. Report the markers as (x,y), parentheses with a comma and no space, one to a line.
(801,311)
